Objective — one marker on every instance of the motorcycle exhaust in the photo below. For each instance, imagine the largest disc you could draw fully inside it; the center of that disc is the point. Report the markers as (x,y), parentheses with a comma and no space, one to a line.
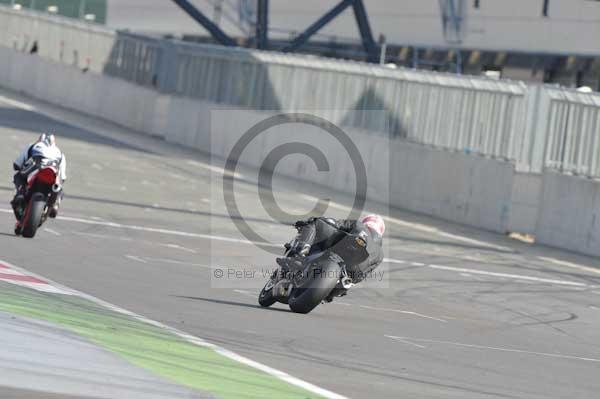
(346,282)
(56,188)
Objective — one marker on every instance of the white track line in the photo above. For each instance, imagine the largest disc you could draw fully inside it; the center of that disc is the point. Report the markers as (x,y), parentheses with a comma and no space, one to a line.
(56,233)
(176,246)
(241,241)
(136,258)
(433,341)
(157,230)
(403,312)
(198,341)
(570,264)
(492,274)
(507,275)
(16,104)
(398,261)
(391,310)
(121,238)
(214,168)
(147,259)
(406,342)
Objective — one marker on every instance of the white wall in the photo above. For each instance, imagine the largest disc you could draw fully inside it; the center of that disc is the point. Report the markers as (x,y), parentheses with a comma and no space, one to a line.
(465,189)
(570,213)
(453,186)
(59,38)
(525,200)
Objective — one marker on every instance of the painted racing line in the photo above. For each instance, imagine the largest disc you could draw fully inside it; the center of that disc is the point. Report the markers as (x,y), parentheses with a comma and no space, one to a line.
(150,344)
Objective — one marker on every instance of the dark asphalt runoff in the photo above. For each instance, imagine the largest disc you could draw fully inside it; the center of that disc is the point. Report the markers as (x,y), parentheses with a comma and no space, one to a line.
(465,314)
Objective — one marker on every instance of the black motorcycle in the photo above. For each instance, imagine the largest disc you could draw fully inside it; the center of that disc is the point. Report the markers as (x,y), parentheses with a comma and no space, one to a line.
(304,282)
(39,195)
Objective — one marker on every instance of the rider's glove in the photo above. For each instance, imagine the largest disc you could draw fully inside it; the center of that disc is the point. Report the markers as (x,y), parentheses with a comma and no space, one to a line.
(298,247)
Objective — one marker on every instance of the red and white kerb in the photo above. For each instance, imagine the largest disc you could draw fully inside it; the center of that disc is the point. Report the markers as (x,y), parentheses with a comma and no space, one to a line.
(13,276)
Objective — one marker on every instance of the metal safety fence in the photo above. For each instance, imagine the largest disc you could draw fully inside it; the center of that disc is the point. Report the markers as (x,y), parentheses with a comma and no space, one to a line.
(572,131)
(463,113)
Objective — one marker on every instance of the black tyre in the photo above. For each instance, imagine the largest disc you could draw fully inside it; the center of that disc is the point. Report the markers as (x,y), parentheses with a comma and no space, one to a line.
(265,298)
(324,280)
(33,215)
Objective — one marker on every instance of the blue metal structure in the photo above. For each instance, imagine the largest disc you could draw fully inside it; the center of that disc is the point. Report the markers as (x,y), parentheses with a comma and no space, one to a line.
(213,29)
(262,24)
(452,12)
(362,21)
(303,37)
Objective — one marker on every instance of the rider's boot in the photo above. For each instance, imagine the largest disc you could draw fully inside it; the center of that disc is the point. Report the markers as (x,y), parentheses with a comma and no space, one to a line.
(17,205)
(335,292)
(53,211)
(18,228)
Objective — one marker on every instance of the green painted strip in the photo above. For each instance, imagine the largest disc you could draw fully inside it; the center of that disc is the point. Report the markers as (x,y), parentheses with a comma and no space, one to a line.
(148,346)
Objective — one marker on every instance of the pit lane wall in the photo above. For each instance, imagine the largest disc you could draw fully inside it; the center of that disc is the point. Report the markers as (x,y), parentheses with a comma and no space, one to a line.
(467,189)
(569,214)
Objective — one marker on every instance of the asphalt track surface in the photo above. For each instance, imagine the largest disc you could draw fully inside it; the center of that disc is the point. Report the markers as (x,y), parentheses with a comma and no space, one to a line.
(467,314)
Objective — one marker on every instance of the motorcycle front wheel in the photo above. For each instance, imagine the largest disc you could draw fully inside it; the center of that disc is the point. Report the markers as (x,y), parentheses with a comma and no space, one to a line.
(265,298)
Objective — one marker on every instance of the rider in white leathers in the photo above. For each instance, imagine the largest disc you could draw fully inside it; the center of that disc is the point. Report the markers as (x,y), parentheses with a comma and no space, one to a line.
(45,147)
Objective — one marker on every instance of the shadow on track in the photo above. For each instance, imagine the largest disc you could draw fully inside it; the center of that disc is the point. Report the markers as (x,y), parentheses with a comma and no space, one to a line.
(37,123)
(161,208)
(231,303)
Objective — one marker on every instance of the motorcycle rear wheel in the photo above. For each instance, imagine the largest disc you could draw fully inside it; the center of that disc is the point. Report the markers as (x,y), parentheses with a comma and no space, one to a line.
(304,300)
(33,216)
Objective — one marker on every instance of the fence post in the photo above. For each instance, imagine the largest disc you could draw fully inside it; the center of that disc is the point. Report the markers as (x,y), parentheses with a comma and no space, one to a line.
(166,73)
(536,128)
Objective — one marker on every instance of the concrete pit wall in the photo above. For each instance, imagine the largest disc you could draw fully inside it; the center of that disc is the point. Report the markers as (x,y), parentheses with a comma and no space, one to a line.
(525,201)
(569,215)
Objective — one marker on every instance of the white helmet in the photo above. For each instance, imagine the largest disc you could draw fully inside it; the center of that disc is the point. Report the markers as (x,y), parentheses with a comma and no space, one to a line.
(47,138)
(374,223)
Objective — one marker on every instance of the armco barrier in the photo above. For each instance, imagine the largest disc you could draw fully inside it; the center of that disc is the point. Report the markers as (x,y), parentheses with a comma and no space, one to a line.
(570,213)
(454,186)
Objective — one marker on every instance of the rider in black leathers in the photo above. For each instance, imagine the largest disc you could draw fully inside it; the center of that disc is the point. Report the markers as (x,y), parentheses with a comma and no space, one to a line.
(315,234)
